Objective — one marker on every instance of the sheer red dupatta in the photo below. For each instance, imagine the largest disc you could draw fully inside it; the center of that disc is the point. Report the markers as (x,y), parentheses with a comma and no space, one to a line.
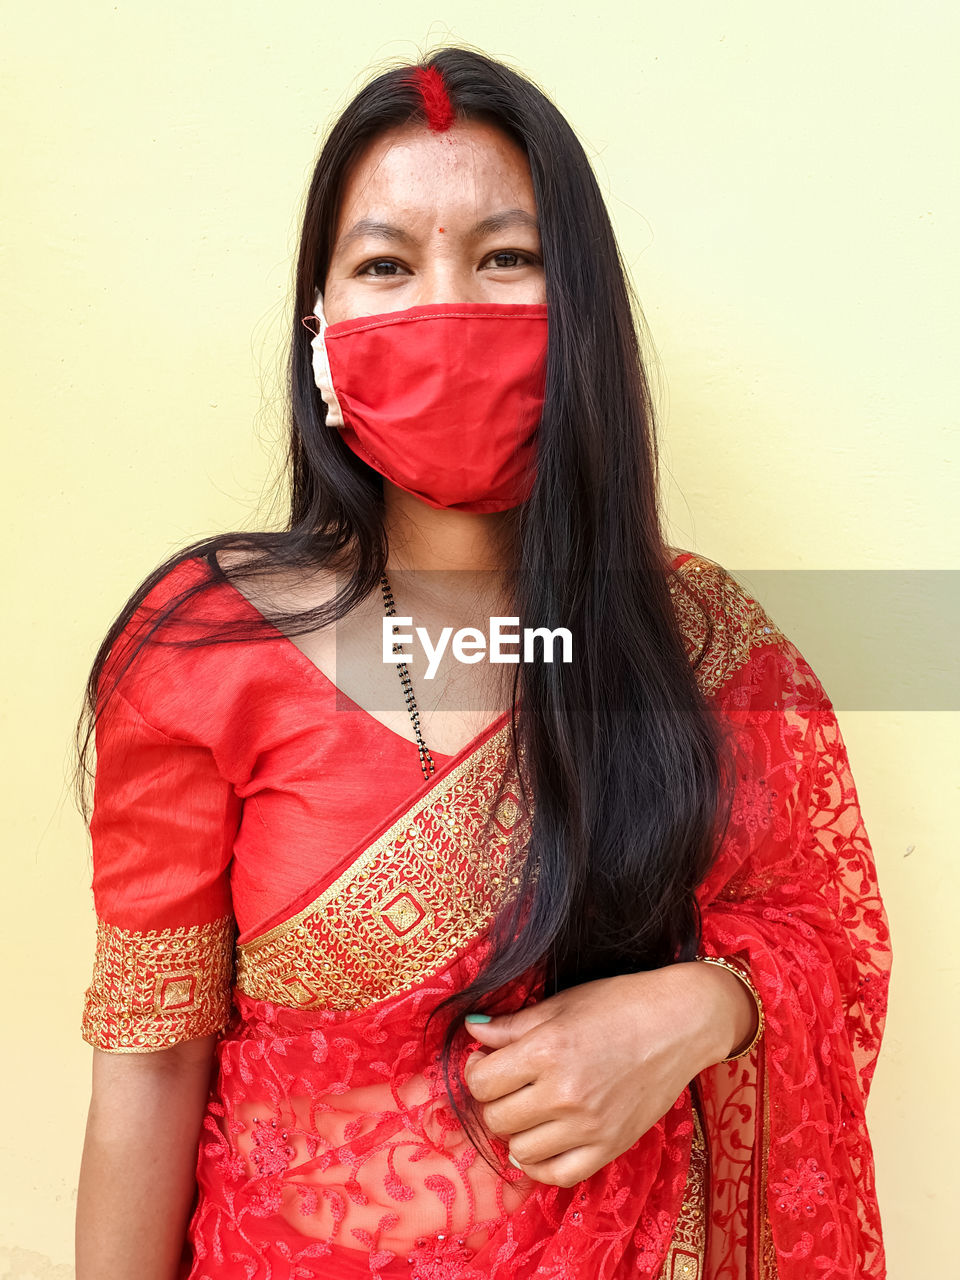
(794,894)
(328,1145)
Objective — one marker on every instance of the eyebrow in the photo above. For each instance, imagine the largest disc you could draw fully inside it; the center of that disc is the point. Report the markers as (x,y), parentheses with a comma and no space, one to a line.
(486,226)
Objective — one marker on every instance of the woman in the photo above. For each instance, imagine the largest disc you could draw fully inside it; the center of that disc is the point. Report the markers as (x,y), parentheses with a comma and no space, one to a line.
(644,868)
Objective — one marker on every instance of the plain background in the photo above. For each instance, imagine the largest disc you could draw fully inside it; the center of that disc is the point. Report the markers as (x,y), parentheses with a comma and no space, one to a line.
(782,182)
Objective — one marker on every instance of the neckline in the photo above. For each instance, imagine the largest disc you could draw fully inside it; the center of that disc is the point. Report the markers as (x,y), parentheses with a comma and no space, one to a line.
(444,759)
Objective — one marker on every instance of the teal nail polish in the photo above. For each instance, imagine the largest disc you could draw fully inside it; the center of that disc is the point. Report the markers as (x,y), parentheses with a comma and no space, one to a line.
(477,1017)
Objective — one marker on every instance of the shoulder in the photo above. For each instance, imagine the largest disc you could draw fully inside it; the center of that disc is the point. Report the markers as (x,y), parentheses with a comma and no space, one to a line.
(721,623)
(273,588)
(219,582)
(154,601)
(159,646)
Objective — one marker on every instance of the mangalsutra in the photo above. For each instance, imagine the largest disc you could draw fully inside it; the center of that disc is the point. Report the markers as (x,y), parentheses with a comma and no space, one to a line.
(426,759)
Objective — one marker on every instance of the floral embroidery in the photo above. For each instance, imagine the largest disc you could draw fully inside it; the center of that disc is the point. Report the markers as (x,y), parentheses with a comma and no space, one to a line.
(753,804)
(270,1152)
(435,1258)
(802,1190)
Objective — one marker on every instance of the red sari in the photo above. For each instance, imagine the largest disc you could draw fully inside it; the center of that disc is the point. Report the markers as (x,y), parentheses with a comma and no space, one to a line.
(273,867)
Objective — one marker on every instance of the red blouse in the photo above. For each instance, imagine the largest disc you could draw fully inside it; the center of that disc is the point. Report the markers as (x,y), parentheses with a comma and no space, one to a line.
(245,765)
(231,778)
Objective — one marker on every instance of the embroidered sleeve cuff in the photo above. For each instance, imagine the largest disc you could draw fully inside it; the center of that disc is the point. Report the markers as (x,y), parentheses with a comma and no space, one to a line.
(152,989)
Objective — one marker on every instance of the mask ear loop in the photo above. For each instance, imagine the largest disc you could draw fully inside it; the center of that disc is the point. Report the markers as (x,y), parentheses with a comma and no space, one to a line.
(321,365)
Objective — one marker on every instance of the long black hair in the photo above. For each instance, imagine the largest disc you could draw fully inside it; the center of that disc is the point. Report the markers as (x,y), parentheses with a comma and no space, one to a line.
(623,754)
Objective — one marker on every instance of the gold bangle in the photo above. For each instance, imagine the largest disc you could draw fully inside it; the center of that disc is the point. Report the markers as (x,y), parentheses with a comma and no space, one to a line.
(746,980)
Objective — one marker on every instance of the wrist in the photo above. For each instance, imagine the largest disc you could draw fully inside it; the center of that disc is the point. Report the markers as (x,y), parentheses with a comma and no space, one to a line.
(734,1020)
(708,1010)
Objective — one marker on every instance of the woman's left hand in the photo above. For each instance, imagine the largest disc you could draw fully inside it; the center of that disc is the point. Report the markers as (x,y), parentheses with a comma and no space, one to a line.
(578,1078)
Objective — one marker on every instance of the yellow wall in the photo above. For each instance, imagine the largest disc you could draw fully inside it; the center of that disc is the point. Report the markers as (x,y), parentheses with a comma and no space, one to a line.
(780,177)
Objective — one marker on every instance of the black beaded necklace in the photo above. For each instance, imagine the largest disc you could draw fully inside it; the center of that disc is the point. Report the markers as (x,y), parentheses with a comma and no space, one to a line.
(403,670)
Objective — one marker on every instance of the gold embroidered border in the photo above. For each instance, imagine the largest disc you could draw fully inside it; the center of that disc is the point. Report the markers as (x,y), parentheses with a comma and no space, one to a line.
(686,1257)
(766,1249)
(435,879)
(154,988)
(411,900)
(740,623)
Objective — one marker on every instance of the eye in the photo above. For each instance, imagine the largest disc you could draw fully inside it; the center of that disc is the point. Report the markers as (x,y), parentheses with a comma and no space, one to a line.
(524,258)
(378,262)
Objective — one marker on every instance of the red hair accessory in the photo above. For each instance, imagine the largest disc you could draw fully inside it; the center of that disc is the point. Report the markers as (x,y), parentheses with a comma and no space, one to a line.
(436,100)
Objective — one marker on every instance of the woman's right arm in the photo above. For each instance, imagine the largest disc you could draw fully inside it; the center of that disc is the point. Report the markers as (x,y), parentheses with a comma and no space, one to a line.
(164,822)
(138,1170)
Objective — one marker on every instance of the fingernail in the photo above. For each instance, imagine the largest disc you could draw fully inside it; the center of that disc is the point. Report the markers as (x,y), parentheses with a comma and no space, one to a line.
(477,1017)
(512,1161)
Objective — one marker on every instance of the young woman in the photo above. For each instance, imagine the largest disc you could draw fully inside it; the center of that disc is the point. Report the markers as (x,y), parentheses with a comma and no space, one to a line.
(642,862)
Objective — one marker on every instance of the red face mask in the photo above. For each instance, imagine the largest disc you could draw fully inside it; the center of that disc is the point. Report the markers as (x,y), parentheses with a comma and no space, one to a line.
(443,400)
